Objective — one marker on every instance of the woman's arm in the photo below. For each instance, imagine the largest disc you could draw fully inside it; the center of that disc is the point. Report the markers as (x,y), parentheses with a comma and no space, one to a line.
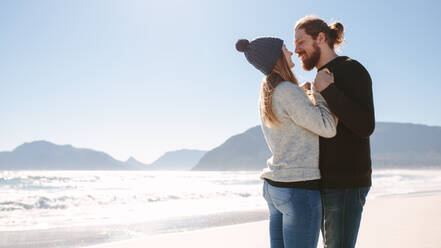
(315,118)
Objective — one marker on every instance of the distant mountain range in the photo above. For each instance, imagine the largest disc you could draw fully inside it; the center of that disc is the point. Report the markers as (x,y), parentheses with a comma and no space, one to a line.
(178,160)
(245,151)
(44,155)
(406,146)
(394,145)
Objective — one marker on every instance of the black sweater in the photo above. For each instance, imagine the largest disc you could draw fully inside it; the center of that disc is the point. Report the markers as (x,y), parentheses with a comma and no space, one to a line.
(345,160)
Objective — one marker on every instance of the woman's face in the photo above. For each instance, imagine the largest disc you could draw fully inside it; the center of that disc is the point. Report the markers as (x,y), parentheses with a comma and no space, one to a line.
(288,55)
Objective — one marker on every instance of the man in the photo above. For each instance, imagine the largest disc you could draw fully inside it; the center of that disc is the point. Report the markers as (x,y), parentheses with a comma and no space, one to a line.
(345,162)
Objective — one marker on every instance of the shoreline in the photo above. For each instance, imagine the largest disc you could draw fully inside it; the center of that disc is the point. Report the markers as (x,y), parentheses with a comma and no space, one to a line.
(234,225)
(398,221)
(84,236)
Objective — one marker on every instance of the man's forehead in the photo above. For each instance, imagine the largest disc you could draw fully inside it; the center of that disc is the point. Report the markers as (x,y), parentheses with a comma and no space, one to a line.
(299,34)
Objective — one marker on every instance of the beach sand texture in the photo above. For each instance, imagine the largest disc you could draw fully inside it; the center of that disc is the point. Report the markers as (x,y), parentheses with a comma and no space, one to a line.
(402,221)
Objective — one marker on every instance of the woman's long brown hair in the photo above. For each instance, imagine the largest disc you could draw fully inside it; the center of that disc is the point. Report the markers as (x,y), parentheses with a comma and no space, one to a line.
(280,73)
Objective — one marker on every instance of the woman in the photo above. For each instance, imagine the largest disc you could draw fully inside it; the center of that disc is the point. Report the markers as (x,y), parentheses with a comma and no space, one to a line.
(291,124)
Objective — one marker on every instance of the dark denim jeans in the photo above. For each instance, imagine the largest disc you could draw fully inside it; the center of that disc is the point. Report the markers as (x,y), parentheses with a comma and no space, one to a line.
(342,211)
(295,216)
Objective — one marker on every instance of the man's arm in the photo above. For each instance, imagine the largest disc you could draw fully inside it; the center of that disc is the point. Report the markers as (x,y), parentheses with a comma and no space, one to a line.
(357,115)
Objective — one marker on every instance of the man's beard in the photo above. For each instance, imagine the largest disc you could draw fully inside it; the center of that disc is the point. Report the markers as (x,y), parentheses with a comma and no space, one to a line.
(311,61)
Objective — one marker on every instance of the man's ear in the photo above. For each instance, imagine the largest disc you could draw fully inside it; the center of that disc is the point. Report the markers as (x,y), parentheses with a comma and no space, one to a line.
(321,38)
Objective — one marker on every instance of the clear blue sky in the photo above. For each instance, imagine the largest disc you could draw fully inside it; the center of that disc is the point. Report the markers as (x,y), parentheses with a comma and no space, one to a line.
(139,78)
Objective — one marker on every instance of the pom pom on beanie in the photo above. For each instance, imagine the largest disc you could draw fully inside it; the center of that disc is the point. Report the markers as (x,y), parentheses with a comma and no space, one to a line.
(242,45)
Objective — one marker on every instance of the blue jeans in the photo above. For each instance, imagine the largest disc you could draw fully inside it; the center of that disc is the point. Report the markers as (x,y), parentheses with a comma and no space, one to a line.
(295,216)
(342,215)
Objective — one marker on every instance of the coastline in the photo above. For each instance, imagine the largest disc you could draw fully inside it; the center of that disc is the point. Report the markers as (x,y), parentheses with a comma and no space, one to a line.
(397,221)
(85,236)
(34,216)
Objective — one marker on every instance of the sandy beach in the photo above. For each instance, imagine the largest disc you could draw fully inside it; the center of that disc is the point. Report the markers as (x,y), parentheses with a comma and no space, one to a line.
(401,221)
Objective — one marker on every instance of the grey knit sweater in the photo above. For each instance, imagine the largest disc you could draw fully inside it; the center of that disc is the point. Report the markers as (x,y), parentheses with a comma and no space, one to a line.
(295,142)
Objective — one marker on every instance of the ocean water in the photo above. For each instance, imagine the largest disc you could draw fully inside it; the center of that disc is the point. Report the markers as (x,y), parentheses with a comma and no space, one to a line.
(35,200)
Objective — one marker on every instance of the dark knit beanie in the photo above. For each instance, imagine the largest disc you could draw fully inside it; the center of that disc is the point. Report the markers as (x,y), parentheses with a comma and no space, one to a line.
(262,52)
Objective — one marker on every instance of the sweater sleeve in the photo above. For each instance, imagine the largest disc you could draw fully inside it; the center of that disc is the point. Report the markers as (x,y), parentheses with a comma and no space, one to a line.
(315,118)
(355,112)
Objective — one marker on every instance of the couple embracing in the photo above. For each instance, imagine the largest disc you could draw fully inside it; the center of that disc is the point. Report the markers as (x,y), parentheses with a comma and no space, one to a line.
(320,171)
